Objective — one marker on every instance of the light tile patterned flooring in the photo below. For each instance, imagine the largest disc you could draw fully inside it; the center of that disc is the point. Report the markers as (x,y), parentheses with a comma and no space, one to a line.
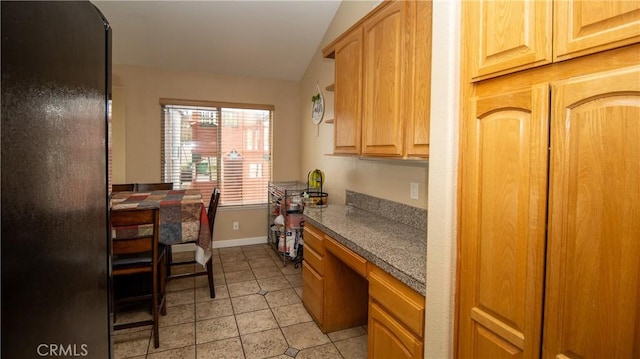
(257,313)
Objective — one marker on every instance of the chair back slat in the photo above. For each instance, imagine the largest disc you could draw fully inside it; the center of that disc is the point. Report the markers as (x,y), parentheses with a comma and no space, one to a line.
(133,245)
(129,229)
(133,217)
(123,187)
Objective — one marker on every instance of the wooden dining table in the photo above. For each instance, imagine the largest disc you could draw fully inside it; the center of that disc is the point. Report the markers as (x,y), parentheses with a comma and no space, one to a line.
(183,217)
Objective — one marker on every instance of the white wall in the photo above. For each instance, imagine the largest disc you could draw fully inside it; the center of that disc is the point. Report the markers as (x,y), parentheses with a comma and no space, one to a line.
(118,143)
(441,230)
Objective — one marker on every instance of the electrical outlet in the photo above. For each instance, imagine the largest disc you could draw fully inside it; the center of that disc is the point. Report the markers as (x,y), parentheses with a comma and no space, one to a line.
(414,190)
(236,225)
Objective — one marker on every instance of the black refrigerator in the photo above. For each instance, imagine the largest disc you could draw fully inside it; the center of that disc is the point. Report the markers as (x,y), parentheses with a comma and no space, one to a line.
(55,89)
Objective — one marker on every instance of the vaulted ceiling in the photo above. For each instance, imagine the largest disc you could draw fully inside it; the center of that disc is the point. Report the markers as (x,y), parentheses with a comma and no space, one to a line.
(268,39)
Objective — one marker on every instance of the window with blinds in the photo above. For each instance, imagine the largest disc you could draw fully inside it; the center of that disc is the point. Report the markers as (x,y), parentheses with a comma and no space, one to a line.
(209,145)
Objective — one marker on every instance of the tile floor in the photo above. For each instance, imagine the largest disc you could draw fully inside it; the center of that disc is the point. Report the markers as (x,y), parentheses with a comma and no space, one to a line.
(257,313)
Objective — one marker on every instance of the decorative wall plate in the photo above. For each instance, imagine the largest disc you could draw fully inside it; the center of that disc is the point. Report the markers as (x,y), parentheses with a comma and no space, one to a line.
(317,106)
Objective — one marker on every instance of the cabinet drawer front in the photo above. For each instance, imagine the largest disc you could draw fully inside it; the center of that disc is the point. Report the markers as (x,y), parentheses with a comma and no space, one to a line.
(314,260)
(312,292)
(313,239)
(405,303)
(347,256)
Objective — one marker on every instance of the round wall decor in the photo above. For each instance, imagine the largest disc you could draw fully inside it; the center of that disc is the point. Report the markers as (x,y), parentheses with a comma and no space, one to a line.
(317,106)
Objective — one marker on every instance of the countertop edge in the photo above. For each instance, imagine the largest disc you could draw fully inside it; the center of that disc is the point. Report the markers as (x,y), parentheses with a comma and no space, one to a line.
(405,278)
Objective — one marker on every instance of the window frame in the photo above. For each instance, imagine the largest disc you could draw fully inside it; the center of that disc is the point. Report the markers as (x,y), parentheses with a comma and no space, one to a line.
(221,106)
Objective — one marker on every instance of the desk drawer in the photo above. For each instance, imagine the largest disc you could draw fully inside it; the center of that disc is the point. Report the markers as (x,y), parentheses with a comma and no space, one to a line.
(313,239)
(405,303)
(347,256)
(313,292)
(314,260)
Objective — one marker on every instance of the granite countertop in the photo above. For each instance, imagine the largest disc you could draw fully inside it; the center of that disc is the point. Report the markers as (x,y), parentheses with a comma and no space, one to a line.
(397,248)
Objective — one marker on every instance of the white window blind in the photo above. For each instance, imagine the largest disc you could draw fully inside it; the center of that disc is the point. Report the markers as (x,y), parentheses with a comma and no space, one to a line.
(228,146)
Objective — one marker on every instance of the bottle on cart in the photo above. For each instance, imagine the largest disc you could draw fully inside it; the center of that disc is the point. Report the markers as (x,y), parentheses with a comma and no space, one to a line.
(281,243)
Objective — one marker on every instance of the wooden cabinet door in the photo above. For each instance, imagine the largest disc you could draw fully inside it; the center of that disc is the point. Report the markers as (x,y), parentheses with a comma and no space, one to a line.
(585,27)
(348,94)
(313,292)
(503,215)
(592,307)
(507,35)
(389,339)
(382,126)
(418,74)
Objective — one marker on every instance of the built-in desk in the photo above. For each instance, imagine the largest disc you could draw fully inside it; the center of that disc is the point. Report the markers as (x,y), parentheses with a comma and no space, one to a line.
(397,248)
(344,288)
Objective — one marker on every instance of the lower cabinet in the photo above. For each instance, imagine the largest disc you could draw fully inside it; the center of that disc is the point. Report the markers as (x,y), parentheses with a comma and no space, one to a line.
(388,338)
(396,317)
(313,292)
(340,289)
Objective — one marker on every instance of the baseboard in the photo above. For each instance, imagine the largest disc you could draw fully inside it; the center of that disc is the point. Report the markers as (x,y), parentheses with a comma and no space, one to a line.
(187,247)
(239,242)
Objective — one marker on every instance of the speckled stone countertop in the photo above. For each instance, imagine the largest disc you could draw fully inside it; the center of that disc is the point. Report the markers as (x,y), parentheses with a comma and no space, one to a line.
(397,248)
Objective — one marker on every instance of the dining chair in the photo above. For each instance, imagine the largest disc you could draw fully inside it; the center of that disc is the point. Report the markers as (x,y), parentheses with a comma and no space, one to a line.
(136,251)
(144,187)
(211,216)
(122,187)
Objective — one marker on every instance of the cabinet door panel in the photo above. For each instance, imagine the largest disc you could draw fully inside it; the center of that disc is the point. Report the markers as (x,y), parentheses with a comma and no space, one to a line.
(586,27)
(504,175)
(592,304)
(418,74)
(348,98)
(388,338)
(313,292)
(382,126)
(507,35)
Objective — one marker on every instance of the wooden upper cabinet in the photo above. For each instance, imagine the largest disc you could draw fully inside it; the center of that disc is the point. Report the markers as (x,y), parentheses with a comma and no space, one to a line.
(503,204)
(348,94)
(586,27)
(384,46)
(513,35)
(507,36)
(383,82)
(417,116)
(593,261)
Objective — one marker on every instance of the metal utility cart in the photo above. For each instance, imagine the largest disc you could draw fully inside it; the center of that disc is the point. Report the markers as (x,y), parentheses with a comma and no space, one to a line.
(285,207)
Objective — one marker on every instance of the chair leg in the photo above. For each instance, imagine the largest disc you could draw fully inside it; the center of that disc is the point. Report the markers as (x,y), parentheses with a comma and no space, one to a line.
(154,311)
(169,254)
(162,278)
(212,290)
